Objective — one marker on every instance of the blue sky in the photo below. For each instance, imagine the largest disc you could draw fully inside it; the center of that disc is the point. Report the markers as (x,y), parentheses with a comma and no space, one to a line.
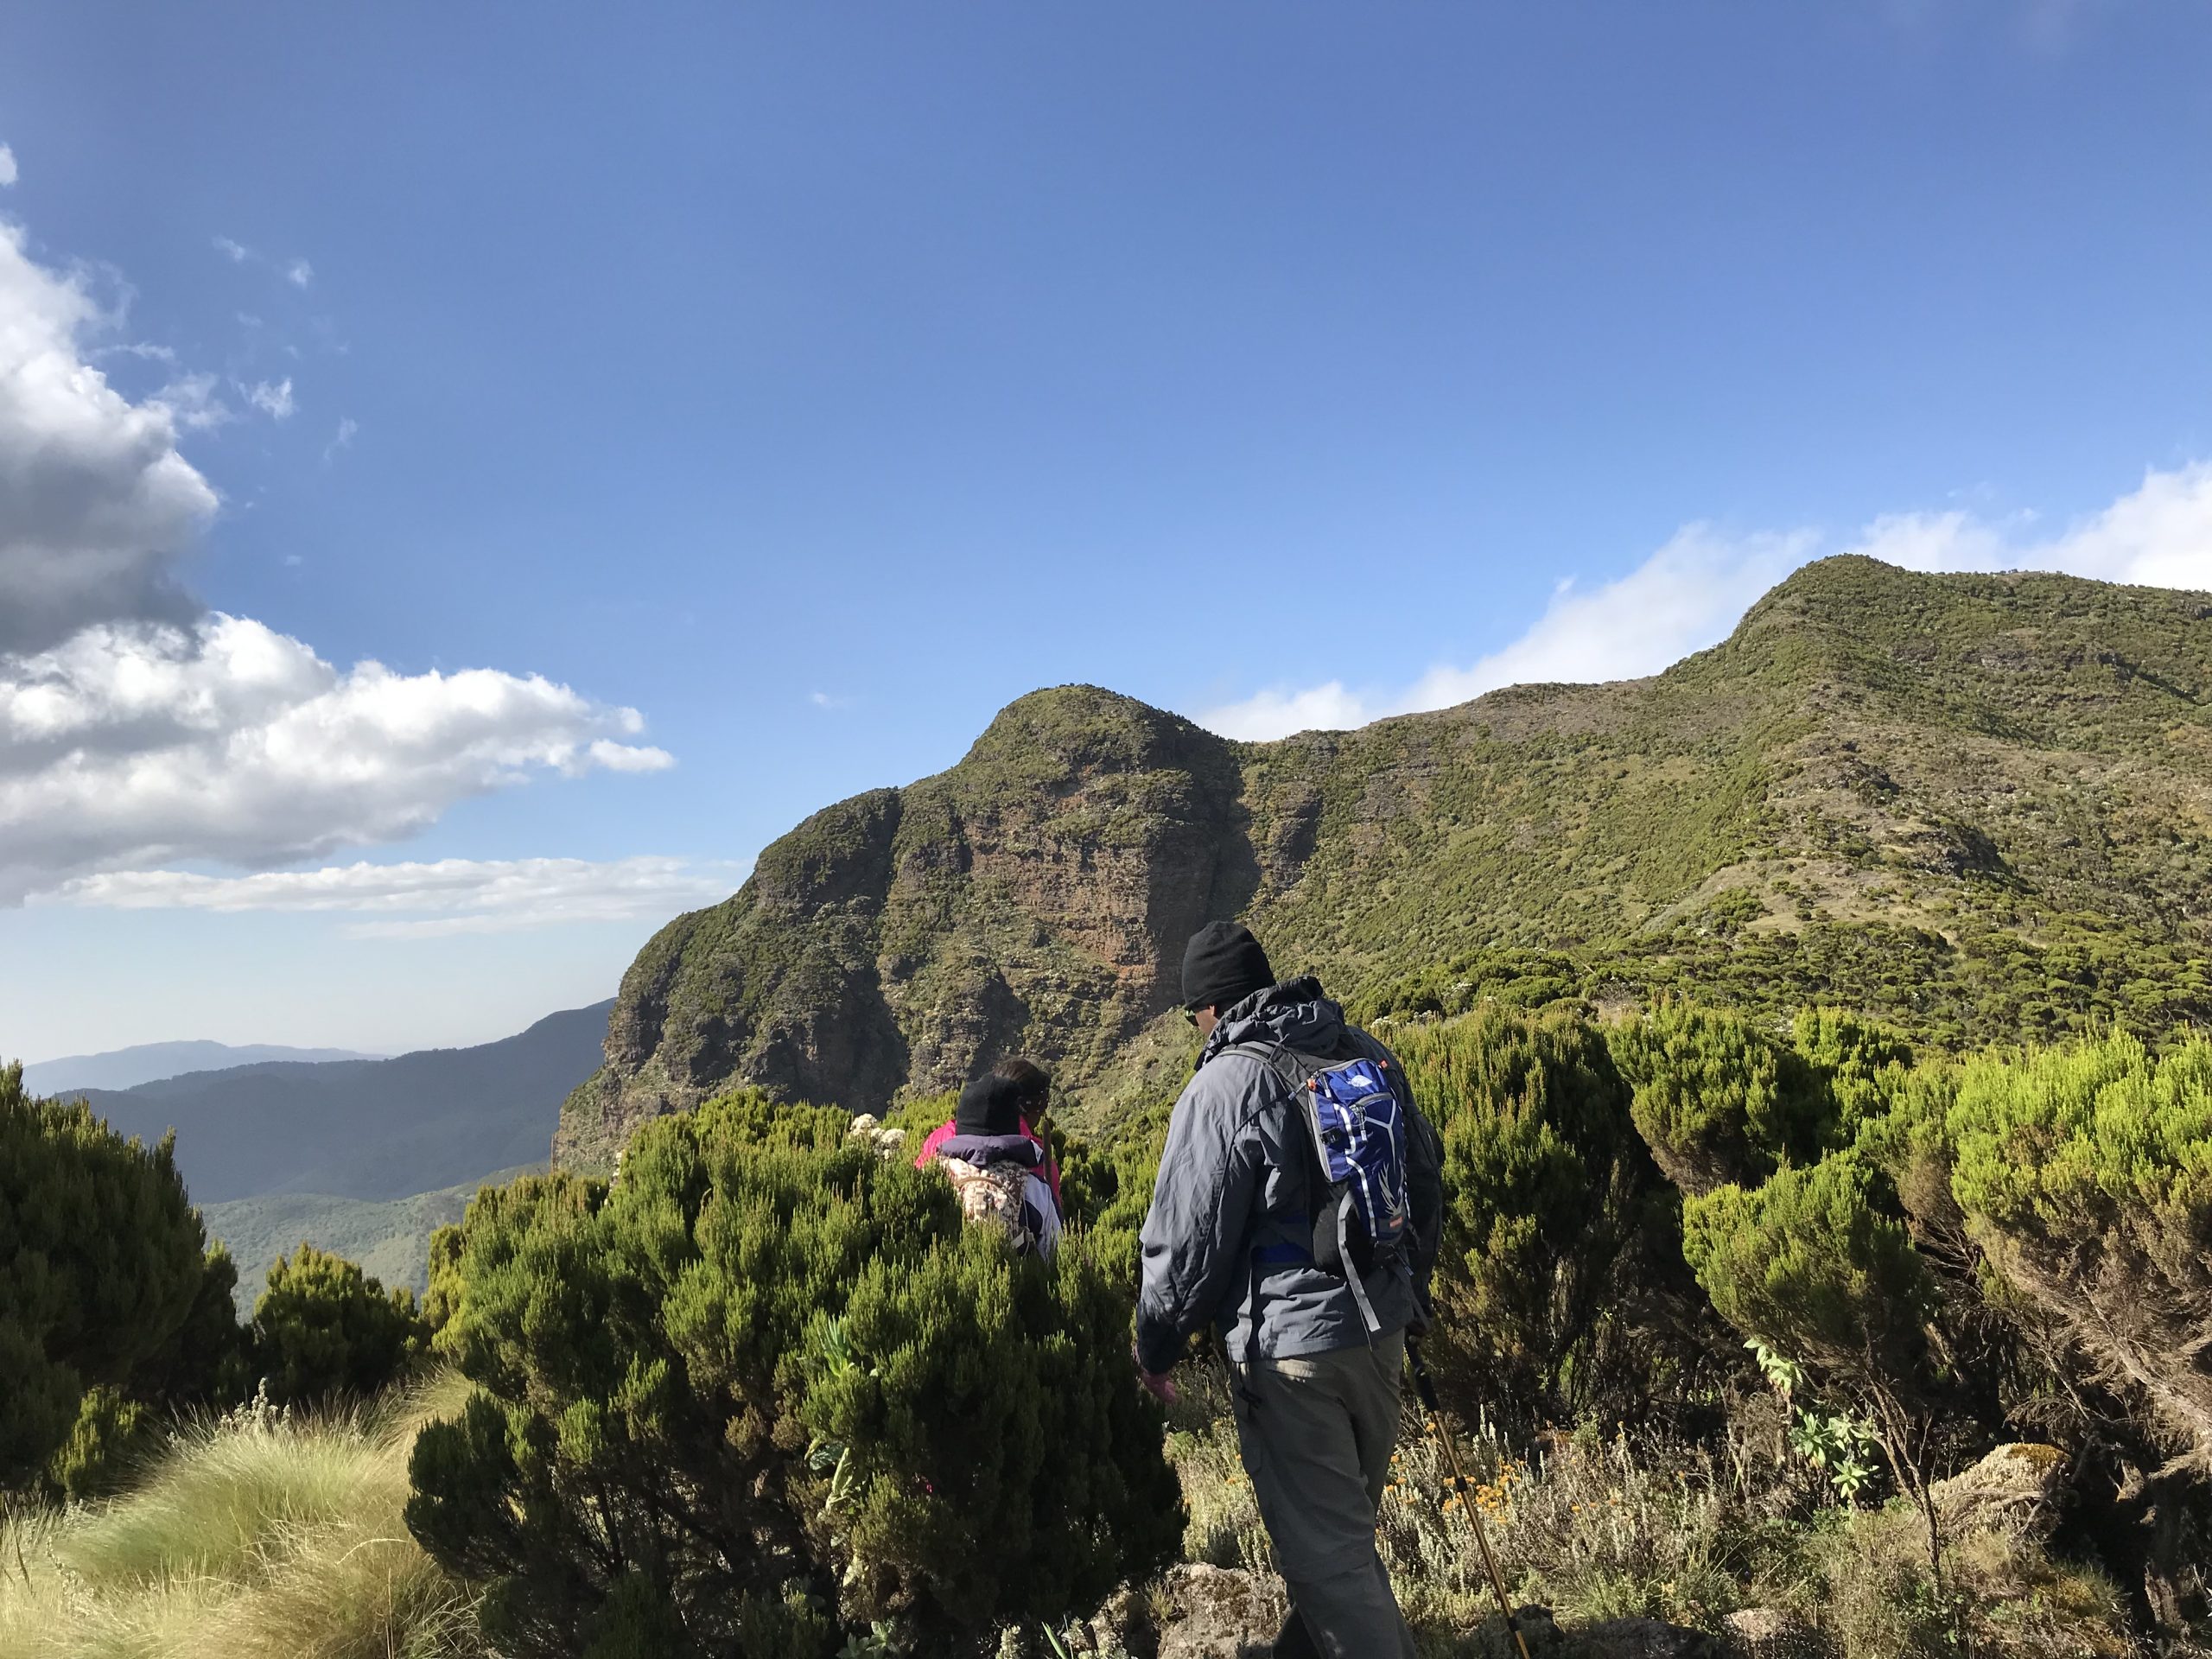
(788,387)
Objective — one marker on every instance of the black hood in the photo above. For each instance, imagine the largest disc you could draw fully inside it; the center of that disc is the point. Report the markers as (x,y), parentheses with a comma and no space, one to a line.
(1293,1014)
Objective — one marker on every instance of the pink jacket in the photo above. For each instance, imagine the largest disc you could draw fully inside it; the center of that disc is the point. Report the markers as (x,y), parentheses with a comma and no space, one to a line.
(944,1132)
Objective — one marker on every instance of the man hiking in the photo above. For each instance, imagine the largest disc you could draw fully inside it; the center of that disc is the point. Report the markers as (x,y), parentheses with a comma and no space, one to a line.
(1312,1276)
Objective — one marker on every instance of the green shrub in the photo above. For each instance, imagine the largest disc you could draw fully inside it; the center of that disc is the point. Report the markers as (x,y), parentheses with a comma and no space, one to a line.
(765,1362)
(1909,1140)
(324,1329)
(2085,1174)
(1718,1100)
(110,1432)
(1519,979)
(100,1266)
(1108,1189)
(204,1363)
(1558,1230)
(1815,1264)
(1864,1064)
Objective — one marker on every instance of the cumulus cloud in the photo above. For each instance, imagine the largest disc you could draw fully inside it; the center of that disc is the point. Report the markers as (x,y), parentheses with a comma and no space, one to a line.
(96,503)
(1690,592)
(131,745)
(341,439)
(274,401)
(137,727)
(430,900)
(237,253)
(8,174)
(299,273)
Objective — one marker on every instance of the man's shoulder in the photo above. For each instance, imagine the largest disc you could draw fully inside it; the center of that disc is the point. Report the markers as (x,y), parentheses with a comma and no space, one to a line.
(1240,1078)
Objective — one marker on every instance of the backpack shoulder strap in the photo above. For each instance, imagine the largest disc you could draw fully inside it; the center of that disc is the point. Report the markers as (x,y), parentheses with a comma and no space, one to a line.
(1282,1061)
(1293,1071)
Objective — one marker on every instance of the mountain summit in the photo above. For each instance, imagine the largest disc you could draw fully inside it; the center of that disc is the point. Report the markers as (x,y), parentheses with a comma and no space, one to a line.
(1895,776)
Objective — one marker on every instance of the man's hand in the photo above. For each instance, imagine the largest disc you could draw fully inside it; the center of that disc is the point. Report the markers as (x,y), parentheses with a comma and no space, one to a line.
(1158,1384)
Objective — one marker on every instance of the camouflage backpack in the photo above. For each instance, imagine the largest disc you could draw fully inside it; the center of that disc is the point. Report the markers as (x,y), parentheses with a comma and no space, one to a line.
(996,1195)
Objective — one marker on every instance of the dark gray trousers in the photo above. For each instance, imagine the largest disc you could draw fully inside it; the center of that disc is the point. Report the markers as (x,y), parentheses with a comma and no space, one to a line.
(1316,1434)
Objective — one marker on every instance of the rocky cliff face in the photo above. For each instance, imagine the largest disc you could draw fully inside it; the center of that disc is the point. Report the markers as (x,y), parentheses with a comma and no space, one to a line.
(1955,755)
(1021,902)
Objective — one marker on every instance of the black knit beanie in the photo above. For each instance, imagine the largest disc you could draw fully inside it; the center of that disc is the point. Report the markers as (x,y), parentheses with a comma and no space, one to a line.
(990,1105)
(1222,965)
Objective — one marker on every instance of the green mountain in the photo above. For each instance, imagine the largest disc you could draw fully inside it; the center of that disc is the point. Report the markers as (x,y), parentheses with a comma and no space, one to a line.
(374,1129)
(1975,804)
(391,1238)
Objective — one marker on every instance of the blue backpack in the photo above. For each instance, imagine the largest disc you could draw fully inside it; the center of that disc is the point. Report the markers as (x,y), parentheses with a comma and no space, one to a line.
(1354,1125)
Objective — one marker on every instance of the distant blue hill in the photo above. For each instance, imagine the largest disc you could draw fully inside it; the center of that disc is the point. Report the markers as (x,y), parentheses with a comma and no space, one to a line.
(126,1068)
(372,1129)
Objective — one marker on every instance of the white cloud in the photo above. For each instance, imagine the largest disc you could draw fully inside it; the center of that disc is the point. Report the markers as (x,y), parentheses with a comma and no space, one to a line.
(342,439)
(8,172)
(95,500)
(1691,593)
(134,743)
(191,402)
(274,401)
(430,900)
(827,700)
(237,253)
(299,273)
(137,728)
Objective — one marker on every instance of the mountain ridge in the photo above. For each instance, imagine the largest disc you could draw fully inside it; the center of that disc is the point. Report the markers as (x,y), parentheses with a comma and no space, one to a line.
(372,1130)
(1968,763)
(140,1062)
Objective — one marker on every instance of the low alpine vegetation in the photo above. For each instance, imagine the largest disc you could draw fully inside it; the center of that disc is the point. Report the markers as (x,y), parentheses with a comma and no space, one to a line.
(1748,1325)
(766,1380)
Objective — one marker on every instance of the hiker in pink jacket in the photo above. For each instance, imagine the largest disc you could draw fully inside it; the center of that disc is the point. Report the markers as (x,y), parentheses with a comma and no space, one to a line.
(996,1155)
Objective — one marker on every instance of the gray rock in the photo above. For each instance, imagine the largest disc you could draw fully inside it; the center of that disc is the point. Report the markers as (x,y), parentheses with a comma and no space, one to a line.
(1647,1638)
(1769,1633)
(1219,1613)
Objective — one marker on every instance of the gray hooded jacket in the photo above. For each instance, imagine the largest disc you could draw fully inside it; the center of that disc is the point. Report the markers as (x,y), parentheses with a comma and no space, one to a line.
(1232,1190)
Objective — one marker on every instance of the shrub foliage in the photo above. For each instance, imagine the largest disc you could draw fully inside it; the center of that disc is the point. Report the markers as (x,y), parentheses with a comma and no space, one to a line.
(2085,1174)
(1718,1099)
(324,1329)
(1557,1232)
(766,1363)
(101,1265)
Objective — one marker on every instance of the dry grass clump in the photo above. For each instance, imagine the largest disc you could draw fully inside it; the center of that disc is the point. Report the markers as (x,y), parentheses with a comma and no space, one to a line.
(1592,1529)
(257,1536)
(1602,1527)
(1867,1589)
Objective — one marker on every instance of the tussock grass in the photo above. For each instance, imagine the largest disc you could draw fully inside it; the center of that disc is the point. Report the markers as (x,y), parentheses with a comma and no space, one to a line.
(1600,1526)
(253,1537)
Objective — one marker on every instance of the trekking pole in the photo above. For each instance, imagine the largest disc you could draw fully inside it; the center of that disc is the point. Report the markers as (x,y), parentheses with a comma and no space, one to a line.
(1437,1426)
